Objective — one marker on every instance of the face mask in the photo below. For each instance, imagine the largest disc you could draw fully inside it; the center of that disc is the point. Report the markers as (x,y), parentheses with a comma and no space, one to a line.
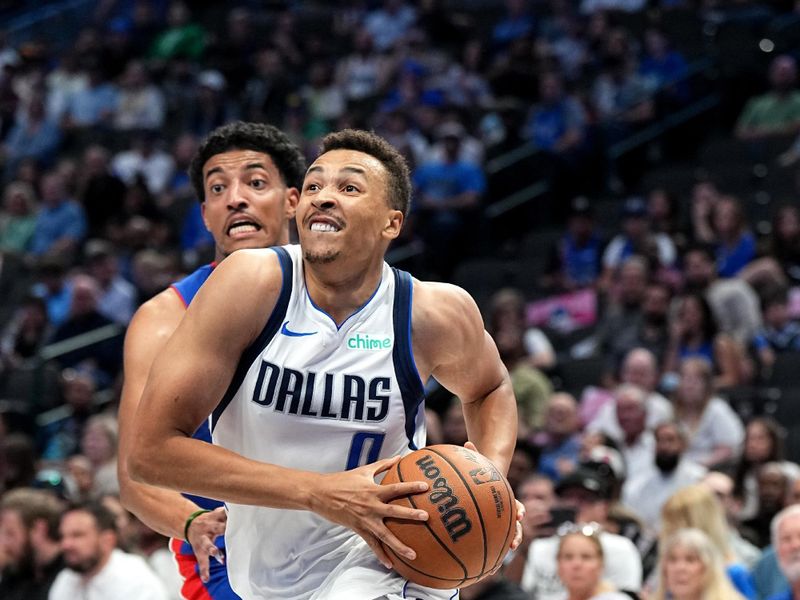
(667,463)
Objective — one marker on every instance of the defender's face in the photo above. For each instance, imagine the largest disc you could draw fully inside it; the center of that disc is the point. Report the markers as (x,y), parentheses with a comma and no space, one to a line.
(247,204)
(343,208)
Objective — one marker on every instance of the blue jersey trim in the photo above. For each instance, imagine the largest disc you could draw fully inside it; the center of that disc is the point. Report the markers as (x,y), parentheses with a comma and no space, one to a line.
(411,388)
(188,287)
(264,338)
(354,313)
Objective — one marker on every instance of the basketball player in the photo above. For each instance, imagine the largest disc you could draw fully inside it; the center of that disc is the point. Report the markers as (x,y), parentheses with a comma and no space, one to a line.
(311,360)
(247,177)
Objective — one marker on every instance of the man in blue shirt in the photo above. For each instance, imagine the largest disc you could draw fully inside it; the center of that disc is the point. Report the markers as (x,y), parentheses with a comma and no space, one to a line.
(61,223)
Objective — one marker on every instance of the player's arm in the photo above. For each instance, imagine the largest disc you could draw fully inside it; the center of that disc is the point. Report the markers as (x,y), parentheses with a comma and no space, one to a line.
(451,344)
(160,509)
(190,376)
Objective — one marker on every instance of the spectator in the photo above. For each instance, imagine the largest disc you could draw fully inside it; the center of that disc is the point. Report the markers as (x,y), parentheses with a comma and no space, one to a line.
(637,238)
(715,431)
(705,196)
(559,440)
(786,541)
(93,106)
(323,97)
(558,126)
(388,24)
(692,569)
(94,567)
(776,112)
(101,192)
(694,334)
(763,443)
(781,265)
(117,295)
(492,587)
(639,368)
(17,218)
(25,335)
(208,106)
(663,212)
(507,310)
(34,135)
(145,159)
(723,487)
(736,245)
(29,541)
(767,573)
(523,352)
(448,195)
(773,489)
(182,38)
(61,429)
(103,358)
(141,104)
(517,23)
(733,302)
(53,288)
(587,492)
(664,70)
(232,53)
(99,445)
(624,420)
(580,566)
(781,333)
(648,488)
(696,506)
(267,91)
(61,222)
(576,257)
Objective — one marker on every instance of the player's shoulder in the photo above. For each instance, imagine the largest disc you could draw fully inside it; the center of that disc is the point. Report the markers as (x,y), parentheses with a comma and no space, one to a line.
(165,307)
(436,302)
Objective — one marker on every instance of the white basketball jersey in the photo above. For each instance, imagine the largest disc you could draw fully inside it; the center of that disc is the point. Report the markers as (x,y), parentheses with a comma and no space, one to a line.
(313,396)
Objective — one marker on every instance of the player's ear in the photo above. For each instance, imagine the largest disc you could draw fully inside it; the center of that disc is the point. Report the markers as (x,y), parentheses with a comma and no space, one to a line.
(394,224)
(292,198)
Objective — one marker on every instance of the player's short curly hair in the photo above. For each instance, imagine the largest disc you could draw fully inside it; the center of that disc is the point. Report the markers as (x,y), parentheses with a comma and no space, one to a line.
(250,136)
(399,188)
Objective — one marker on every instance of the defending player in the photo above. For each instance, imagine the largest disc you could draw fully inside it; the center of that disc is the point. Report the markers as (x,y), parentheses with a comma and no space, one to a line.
(311,361)
(247,177)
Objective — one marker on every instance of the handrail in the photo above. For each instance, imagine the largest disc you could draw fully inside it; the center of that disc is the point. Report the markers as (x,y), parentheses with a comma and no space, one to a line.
(82,340)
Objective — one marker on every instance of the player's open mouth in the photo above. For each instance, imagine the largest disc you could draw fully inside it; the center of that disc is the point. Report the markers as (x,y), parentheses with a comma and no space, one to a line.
(243,227)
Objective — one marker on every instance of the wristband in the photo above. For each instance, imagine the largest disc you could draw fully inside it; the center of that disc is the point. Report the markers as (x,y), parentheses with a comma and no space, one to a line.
(191,518)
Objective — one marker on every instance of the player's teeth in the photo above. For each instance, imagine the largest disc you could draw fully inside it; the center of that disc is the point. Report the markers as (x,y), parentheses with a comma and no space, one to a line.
(322,227)
(243,228)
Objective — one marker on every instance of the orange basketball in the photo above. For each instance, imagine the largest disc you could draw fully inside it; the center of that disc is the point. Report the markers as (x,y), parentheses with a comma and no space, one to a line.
(471,519)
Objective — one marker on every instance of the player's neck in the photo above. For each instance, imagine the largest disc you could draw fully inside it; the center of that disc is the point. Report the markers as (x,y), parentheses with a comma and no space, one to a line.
(340,293)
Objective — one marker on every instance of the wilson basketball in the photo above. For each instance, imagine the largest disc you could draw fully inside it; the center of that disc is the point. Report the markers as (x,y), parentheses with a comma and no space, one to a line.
(472,516)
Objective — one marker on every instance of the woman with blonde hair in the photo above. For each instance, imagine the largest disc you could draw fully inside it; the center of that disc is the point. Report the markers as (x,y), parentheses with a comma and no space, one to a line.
(580,565)
(691,569)
(696,506)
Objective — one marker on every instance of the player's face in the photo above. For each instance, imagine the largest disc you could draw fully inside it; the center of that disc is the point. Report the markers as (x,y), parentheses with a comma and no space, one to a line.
(247,203)
(343,209)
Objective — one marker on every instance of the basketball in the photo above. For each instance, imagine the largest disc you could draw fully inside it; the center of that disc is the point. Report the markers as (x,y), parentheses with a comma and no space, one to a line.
(472,516)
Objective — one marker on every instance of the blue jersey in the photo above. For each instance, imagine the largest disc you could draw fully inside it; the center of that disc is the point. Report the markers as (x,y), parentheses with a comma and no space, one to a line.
(186,289)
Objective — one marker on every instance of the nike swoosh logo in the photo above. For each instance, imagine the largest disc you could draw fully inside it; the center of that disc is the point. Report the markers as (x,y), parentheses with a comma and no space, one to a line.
(286,331)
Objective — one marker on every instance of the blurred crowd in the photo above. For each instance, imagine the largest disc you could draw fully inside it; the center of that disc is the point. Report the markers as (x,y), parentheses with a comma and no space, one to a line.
(652,434)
